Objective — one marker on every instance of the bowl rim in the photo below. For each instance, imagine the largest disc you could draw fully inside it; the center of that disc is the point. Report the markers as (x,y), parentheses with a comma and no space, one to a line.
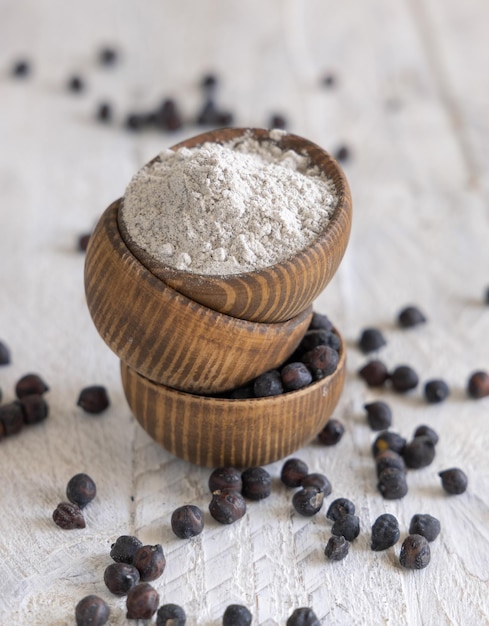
(343,204)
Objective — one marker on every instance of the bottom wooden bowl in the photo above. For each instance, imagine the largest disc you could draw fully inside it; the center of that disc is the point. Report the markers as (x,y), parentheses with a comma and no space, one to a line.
(216,432)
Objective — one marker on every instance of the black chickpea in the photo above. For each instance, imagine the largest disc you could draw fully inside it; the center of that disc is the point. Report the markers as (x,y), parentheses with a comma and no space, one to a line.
(415,552)
(226,506)
(187,521)
(120,578)
(124,548)
(293,471)
(142,601)
(81,489)
(257,483)
(91,611)
(150,561)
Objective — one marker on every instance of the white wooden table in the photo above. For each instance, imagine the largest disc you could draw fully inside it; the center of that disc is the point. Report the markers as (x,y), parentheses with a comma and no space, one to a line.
(411,101)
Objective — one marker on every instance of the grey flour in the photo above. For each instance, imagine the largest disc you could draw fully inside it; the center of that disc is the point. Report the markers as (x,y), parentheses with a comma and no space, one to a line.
(227,209)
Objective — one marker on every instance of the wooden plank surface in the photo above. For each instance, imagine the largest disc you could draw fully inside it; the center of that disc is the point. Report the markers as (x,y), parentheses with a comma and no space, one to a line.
(411,103)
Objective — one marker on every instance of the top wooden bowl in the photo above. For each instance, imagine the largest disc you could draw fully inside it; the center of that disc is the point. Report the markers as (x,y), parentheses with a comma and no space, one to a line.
(279,292)
(165,336)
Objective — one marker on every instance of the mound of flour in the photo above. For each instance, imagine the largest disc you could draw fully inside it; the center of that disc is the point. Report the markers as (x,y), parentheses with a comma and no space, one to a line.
(227,209)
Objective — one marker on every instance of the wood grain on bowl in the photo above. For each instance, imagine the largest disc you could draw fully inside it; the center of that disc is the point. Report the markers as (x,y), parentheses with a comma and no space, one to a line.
(215,432)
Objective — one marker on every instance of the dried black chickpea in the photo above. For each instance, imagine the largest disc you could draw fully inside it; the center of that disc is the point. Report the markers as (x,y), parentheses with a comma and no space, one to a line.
(342,153)
(308,501)
(415,552)
(337,548)
(82,242)
(454,481)
(319,481)
(226,506)
(21,68)
(379,415)
(93,399)
(171,615)
(426,525)
(257,483)
(108,56)
(385,532)
(29,384)
(150,562)
(75,83)
(225,478)
(295,376)
(419,452)
(209,82)
(120,578)
(340,507)
(371,339)
(304,616)
(225,118)
(321,361)
(347,526)
(124,548)
(236,615)
(135,121)
(277,120)
(374,373)
(328,80)
(68,516)
(392,483)
(268,384)
(293,471)
(142,601)
(403,379)
(332,433)
(81,489)
(436,391)
(410,316)
(103,114)
(478,385)
(167,116)
(91,611)
(187,521)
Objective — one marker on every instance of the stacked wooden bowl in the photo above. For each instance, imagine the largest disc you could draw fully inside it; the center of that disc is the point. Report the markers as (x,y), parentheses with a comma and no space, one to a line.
(183,338)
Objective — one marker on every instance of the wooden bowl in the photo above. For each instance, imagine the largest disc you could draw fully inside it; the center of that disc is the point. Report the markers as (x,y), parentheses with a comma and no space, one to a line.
(279,292)
(167,337)
(216,432)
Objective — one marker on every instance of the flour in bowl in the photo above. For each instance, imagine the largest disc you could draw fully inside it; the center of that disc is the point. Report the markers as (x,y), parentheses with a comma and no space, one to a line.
(227,209)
